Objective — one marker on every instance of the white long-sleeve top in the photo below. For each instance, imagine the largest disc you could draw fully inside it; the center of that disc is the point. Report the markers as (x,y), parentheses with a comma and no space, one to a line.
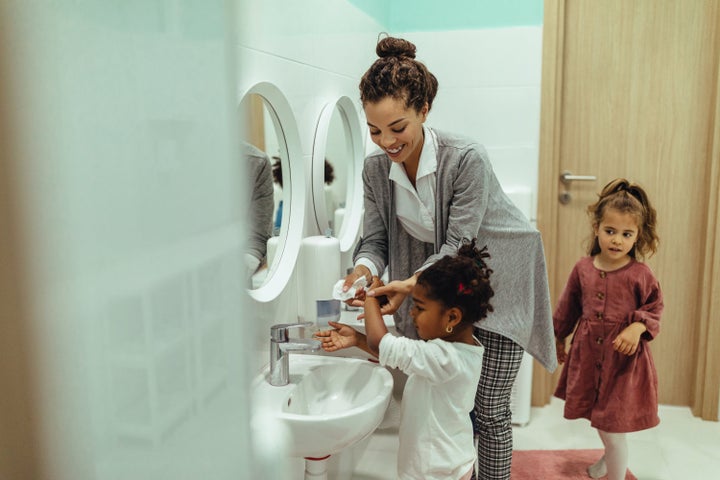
(436,436)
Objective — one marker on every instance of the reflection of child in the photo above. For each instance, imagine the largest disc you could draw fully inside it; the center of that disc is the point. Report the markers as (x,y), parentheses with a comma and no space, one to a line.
(278,178)
(615,302)
(436,436)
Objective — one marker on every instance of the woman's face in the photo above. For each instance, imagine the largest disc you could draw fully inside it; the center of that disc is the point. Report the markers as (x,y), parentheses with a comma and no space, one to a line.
(396,129)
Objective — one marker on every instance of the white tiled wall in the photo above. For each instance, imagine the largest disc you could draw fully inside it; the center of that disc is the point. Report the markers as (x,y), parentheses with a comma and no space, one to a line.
(490,90)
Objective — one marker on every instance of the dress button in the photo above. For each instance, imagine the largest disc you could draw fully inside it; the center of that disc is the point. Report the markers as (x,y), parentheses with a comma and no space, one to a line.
(599,340)
(602,274)
(600,295)
(599,315)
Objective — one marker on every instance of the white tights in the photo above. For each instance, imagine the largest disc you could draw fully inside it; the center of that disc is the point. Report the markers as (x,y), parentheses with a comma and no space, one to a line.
(614,462)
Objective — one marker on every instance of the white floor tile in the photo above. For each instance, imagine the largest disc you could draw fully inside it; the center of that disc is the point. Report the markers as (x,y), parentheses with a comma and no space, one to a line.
(682,447)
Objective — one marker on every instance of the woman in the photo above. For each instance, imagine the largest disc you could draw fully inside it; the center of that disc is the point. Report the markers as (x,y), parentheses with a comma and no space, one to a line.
(425,191)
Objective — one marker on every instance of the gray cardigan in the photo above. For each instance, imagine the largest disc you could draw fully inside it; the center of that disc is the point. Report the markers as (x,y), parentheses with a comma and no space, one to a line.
(260,187)
(471,203)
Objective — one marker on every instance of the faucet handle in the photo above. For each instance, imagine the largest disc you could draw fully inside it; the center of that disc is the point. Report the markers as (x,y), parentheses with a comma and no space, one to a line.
(279,332)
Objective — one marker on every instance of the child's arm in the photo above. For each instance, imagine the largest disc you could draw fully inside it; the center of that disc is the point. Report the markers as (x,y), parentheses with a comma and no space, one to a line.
(374,325)
(627,341)
(340,337)
(560,350)
(567,313)
(645,321)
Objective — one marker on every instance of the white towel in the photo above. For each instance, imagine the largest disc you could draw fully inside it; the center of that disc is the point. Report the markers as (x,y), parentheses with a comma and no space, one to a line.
(338,294)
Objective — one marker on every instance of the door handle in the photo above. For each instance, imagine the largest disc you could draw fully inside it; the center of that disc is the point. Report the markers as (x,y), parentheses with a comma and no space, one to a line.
(567,178)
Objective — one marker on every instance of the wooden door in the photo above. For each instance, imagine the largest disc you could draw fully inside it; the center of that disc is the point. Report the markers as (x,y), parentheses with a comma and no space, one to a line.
(630,89)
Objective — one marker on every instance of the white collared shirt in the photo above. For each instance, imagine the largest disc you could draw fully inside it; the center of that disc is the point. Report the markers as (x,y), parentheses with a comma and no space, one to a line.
(415,206)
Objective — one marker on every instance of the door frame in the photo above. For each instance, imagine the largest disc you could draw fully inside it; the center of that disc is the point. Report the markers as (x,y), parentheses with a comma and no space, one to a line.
(706,395)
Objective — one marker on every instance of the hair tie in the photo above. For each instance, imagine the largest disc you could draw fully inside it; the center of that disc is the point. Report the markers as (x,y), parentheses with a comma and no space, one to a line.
(463,290)
(632,190)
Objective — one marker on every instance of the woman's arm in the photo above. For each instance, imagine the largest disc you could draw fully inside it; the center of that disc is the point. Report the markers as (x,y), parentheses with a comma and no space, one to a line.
(373,245)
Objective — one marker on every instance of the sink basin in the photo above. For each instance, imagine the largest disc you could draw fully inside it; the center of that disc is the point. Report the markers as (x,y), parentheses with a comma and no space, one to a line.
(330,404)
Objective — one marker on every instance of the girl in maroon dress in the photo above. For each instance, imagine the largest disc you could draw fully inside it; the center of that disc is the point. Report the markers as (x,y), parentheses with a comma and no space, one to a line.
(613,303)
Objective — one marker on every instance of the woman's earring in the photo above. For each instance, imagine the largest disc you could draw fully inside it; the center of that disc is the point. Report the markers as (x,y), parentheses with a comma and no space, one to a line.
(449,329)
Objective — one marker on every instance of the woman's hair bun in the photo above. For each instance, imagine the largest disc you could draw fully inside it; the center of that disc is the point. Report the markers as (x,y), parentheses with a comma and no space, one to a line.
(395,47)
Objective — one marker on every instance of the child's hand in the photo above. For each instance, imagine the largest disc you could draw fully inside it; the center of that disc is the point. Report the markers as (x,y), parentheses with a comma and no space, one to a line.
(390,296)
(627,341)
(376,282)
(342,336)
(560,350)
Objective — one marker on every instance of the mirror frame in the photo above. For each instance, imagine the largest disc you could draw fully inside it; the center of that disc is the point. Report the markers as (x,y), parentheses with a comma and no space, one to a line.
(354,196)
(291,229)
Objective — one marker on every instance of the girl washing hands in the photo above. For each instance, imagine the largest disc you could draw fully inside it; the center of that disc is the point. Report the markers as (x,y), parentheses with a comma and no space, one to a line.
(615,302)
(443,366)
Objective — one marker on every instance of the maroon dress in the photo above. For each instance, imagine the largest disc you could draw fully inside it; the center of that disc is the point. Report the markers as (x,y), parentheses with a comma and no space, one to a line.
(616,392)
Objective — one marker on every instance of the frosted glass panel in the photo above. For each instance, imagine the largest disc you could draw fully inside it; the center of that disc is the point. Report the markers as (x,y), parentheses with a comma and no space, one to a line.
(131,189)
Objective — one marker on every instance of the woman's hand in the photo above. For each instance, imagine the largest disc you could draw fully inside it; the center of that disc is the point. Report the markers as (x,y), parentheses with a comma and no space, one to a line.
(560,350)
(628,340)
(341,336)
(359,298)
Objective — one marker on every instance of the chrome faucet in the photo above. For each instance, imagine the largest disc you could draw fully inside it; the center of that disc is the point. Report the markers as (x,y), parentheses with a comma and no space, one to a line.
(280,348)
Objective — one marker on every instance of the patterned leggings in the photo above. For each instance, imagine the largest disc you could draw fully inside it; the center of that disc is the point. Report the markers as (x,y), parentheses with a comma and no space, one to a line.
(501,362)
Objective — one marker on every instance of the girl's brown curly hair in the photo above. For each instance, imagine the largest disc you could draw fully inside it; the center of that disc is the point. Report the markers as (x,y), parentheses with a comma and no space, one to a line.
(626,197)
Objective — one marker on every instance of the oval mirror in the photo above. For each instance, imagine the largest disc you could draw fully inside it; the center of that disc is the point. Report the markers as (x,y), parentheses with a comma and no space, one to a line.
(337,162)
(270,145)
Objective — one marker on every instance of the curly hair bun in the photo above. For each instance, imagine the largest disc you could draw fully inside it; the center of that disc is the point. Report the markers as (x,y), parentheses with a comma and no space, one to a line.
(395,47)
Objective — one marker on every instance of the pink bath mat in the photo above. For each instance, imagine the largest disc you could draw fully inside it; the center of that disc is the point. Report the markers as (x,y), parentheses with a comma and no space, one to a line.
(555,464)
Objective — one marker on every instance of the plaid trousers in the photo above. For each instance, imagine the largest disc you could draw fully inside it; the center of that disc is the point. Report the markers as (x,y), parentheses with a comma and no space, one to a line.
(492,425)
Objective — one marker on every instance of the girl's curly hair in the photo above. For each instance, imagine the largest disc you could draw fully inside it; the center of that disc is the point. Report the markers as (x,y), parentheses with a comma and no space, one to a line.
(626,197)
(461,281)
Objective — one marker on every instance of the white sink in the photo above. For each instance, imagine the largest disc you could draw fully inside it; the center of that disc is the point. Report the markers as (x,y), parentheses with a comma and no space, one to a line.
(330,404)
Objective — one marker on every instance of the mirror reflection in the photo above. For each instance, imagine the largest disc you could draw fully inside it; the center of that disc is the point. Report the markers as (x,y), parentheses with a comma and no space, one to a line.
(262,152)
(337,166)
(337,158)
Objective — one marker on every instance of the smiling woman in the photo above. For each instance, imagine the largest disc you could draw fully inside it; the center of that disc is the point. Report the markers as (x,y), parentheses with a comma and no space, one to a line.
(426,191)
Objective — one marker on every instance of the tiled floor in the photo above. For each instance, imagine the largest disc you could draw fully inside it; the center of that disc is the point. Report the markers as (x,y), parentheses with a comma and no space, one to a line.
(682,447)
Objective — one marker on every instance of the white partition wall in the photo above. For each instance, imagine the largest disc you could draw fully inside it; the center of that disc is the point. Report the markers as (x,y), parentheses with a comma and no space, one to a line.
(129,329)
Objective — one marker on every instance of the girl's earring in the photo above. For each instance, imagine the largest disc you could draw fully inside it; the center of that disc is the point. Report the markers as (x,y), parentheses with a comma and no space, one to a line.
(449,329)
